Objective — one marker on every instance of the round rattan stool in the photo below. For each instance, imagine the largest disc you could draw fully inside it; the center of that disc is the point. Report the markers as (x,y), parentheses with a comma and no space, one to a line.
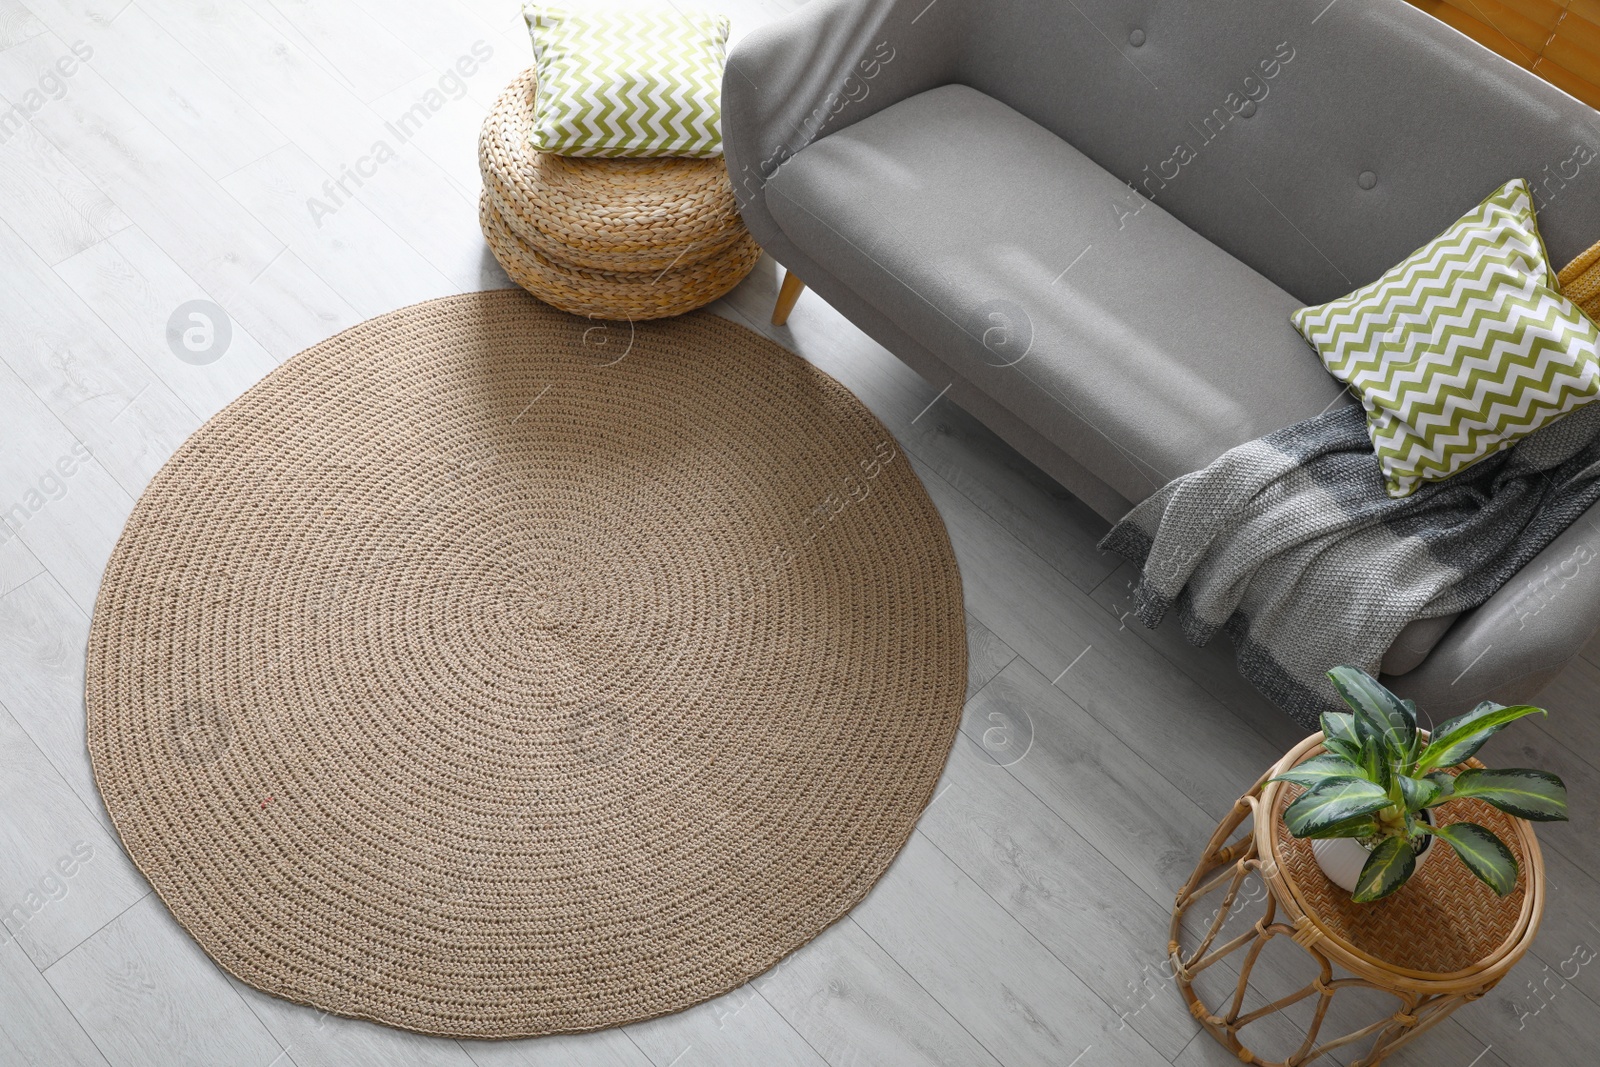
(1441,940)
(607,238)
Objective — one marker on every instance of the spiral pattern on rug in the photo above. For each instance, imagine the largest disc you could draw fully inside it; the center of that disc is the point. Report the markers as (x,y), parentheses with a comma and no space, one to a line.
(488,672)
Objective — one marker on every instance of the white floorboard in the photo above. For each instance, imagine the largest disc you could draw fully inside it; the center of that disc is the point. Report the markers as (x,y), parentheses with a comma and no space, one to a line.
(68,521)
(314,1039)
(855,1003)
(145,993)
(1100,923)
(1019,1000)
(134,287)
(608,1048)
(739,1027)
(1023,923)
(18,565)
(44,634)
(37,1029)
(64,872)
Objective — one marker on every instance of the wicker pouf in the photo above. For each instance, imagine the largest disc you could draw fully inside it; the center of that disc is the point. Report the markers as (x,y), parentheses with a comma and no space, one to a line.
(607,238)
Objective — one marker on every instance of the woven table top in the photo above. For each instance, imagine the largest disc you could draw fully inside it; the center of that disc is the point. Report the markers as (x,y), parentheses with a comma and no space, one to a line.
(1440,922)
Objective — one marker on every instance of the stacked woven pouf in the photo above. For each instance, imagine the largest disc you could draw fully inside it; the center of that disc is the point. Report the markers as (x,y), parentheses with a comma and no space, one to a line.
(607,238)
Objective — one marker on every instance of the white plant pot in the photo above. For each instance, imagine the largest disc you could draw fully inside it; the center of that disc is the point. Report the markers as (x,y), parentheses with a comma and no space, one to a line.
(1341,858)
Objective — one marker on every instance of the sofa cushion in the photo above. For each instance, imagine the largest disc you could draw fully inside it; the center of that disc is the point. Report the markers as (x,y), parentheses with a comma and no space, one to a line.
(627,83)
(1135,345)
(1463,348)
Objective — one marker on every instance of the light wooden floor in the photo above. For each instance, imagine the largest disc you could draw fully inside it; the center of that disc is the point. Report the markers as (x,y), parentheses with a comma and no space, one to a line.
(1023,924)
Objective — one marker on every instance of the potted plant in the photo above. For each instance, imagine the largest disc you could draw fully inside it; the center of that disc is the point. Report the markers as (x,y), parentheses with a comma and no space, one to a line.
(1369,796)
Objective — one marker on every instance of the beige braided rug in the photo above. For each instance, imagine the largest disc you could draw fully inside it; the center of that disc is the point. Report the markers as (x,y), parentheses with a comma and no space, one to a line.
(486,671)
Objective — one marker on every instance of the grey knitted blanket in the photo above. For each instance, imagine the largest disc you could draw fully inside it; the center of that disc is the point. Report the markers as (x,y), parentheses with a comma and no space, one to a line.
(1290,544)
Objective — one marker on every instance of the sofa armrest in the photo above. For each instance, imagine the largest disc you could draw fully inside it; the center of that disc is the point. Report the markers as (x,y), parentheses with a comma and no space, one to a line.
(821,68)
(1511,646)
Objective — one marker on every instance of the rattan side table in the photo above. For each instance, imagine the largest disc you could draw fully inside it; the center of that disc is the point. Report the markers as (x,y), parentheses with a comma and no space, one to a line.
(1441,940)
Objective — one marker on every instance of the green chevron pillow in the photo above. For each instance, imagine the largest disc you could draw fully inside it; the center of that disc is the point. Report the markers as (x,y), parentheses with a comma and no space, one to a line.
(1462,349)
(628,83)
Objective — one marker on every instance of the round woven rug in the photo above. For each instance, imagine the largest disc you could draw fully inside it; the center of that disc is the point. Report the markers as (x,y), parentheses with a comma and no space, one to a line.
(489,672)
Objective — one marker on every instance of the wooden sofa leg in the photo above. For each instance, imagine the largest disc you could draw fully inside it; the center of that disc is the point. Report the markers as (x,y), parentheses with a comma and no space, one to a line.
(787,295)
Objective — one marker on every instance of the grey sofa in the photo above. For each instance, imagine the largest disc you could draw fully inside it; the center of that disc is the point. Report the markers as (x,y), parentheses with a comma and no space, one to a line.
(1092,219)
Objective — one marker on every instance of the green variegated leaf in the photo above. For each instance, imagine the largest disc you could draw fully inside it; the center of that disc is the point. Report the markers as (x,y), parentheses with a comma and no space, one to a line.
(1315,771)
(1360,826)
(1418,792)
(1374,752)
(1390,718)
(1484,854)
(1335,801)
(1386,870)
(1457,755)
(1528,794)
(1348,749)
(1339,735)
(1447,786)
(1341,725)
(1417,740)
(1457,740)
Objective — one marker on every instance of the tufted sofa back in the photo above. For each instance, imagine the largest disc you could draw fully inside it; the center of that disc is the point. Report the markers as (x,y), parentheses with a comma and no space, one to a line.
(1318,142)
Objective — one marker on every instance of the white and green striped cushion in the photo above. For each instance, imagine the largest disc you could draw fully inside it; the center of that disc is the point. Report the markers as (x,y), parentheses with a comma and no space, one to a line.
(1463,348)
(628,83)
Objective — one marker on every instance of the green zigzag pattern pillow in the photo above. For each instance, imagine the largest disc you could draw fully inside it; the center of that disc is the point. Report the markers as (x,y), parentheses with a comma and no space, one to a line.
(628,83)
(1462,349)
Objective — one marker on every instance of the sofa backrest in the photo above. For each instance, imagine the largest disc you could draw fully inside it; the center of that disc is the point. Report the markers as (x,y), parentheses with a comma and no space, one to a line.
(1320,142)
